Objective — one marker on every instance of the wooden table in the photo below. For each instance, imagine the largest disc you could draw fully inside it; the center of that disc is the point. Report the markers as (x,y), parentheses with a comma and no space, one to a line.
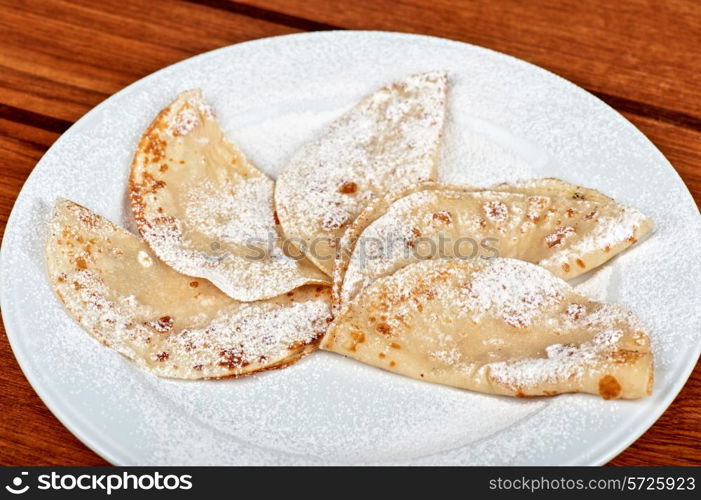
(60,58)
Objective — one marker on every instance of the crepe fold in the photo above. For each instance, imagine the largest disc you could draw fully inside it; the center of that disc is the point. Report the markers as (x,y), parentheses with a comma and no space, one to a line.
(167,323)
(497,326)
(206,211)
(389,140)
(566,229)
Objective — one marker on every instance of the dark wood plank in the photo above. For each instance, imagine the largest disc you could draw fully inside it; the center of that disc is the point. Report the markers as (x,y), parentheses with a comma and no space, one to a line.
(643,51)
(61,58)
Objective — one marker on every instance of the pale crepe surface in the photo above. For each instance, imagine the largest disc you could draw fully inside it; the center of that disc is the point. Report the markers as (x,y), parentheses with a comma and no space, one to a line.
(497,326)
(390,139)
(170,324)
(566,229)
(206,211)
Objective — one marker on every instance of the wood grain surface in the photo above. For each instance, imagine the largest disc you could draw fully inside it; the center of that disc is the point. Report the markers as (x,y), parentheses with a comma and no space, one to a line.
(59,58)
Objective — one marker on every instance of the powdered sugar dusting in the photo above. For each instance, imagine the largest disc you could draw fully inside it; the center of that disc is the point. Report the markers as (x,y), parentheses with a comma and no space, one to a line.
(514,292)
(244,209)
(389,139)
(495,211)
(184,122)
(562,362)
(610,231)
(596,284)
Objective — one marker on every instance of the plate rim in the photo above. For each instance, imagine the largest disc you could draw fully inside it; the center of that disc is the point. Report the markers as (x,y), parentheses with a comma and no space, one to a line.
(102,446)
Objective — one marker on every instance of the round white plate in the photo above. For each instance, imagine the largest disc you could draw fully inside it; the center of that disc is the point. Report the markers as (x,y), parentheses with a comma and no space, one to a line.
(508,119)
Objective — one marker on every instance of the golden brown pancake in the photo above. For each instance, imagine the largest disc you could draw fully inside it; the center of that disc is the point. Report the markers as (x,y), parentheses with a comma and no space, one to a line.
(389,140)
(168,323)
(564,228)
(206,211)
(498,326)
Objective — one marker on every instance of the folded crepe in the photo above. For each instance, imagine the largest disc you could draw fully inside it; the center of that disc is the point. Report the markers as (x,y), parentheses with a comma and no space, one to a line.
(170,324)
(388,140)
(497,326)
(564,228)
(206,211)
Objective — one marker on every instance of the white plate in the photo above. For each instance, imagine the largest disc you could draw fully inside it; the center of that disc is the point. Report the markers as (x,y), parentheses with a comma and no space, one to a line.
(508,119)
